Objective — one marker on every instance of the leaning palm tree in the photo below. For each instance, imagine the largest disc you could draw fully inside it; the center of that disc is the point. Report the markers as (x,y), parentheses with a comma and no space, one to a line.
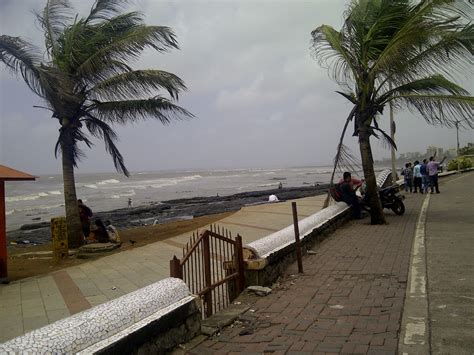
(86,82)
(403,52)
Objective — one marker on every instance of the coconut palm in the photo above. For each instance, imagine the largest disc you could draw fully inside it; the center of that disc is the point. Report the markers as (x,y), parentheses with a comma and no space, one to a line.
(403,52)
(86,82)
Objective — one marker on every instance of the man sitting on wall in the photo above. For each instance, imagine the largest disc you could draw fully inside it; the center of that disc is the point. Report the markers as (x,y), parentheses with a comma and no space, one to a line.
(347,188)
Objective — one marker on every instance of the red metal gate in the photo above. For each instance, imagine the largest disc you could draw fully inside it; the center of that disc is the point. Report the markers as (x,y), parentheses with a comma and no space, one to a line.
(213,268)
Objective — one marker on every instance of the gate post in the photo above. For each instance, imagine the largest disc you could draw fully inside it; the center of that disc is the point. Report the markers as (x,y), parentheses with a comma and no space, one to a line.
(207,273)
(297,238)
(240,264)
(175,268)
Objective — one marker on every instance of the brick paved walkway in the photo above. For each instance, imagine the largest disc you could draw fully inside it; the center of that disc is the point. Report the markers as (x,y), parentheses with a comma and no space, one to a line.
(349,299)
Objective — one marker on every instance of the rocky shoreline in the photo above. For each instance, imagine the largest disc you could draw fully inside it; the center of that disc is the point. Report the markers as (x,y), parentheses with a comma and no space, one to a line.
(167,211)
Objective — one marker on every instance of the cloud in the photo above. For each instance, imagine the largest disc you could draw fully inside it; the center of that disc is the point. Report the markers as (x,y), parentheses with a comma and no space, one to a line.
(259,97)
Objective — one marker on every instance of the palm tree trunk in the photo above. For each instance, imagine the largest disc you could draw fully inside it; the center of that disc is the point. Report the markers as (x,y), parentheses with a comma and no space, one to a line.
(74,227)
(376,211)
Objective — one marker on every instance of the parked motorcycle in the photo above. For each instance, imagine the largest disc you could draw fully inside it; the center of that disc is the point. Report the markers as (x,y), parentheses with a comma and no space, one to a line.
(391,198)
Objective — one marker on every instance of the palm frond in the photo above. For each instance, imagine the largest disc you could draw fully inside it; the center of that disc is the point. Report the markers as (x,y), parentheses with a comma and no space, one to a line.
(432,36)
(122,112)
(339,152)
(349,96)
(435,84)
(439,109)
(22,57)
(128,47)
(136,84)
(387,141)
(102,130)
(54,19)
(70,137)
(330,50)
(106,9)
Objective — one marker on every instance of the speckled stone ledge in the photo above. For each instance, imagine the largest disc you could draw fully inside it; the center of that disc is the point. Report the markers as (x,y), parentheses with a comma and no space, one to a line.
(383,176)
(272,243)
(83,330)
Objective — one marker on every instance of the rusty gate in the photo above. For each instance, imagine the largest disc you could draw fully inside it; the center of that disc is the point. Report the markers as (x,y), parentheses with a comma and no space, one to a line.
(213,268)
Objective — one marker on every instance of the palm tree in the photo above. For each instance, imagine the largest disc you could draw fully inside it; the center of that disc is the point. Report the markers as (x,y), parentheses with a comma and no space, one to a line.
(86,82)
(403,52)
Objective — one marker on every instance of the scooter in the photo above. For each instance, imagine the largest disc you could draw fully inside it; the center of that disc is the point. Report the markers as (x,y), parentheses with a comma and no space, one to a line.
(391,198)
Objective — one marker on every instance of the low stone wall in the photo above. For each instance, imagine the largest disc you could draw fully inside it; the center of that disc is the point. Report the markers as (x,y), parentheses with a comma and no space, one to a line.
(267,258)
(153,319)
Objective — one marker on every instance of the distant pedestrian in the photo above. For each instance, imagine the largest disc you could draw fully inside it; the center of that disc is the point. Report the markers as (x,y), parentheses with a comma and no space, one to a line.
(85,213)
(425,179)
(433,167)
(408,177)
(129,202)
(417,177)
(280,186)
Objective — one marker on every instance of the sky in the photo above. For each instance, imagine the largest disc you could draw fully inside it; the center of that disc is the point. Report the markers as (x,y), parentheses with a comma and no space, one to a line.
(259,98)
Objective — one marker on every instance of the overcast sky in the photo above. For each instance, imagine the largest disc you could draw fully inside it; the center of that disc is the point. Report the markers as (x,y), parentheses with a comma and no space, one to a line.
(259,98)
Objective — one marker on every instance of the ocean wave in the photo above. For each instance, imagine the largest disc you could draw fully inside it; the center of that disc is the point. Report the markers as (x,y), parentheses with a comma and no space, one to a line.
(266,185)
(34,208)
(55,192)
(129,193)
(31,197)
(108,181)
(159,183)
(90,186)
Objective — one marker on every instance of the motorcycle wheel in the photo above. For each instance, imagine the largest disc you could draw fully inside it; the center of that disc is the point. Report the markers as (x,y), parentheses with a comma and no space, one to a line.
(398,207)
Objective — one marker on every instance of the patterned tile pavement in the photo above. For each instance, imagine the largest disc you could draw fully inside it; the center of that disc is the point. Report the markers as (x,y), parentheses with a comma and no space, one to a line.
(28,304)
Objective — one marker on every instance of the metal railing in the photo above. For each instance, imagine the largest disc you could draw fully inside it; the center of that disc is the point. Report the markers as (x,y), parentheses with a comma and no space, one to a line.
(212,266)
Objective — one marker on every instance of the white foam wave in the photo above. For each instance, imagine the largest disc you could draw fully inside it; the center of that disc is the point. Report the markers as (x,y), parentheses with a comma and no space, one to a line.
(129,193)
(35,208)
(55,192)
(31,197)
(109,181)
(159,183)
(91,186)
(266,185)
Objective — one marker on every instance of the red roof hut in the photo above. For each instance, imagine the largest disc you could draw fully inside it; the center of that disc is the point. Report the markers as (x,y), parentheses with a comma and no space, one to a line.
(7,174)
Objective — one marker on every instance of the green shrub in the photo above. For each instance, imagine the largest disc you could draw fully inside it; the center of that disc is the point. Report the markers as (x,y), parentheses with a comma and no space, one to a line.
(464,163)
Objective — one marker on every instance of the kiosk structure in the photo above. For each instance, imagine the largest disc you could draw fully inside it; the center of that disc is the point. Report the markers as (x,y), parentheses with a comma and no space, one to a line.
(7,174)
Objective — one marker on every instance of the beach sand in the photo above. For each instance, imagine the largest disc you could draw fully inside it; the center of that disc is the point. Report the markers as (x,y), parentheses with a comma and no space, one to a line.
(20,267)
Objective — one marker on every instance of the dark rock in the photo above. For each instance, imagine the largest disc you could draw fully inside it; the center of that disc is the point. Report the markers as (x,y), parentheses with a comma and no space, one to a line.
(39,233)
(30,226)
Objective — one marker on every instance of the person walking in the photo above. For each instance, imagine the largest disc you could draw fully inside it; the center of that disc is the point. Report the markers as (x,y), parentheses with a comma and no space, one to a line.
(417,177)
(408,177)
(433,167)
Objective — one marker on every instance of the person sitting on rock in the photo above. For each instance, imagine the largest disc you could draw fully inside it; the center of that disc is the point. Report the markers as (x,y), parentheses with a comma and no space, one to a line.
(100,231)
(113,233)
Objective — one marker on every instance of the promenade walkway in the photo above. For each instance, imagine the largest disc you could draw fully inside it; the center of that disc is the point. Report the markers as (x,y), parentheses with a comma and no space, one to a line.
(34,302)
(351,296)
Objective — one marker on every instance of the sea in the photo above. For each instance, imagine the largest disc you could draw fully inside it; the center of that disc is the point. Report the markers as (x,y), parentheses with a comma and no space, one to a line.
(38,201)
